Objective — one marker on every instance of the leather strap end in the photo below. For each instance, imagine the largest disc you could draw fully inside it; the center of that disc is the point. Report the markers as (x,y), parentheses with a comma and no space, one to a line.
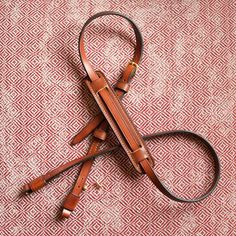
(135,68)
(124,86)
(100,134)
(70,202)
(34,185)
(65,214)
(130,71)
(26,189)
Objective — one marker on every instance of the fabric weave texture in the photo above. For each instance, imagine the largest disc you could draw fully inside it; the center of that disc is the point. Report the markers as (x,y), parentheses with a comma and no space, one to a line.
(186,81)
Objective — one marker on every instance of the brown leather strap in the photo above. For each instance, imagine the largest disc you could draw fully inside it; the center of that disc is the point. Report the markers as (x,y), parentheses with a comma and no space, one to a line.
(108,102)
(121,124)
(138,50)
(43,180)
(88,129)
(154,178)
(121,88)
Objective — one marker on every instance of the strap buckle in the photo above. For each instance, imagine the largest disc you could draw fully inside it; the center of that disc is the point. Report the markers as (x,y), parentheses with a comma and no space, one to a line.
(133,64)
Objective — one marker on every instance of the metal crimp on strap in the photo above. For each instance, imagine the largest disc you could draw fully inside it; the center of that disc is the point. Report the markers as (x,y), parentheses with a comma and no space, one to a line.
(136,67)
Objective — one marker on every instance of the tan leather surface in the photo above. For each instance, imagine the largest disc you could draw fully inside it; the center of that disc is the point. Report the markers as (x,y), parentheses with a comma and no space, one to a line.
(119,121)
(100,135)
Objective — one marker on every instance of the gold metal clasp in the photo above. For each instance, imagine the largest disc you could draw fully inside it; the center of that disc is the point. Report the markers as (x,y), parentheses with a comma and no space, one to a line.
(136,67)
(134,64)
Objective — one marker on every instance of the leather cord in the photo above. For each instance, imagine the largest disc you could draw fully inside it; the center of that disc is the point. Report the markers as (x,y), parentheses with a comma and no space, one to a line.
(139,42)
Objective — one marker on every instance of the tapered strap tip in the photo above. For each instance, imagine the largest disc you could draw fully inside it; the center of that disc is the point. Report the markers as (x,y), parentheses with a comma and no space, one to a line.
(65,213)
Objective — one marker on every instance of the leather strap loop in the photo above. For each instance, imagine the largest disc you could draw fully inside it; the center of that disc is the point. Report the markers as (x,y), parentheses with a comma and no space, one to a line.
(139,155)
(98,84)
(154,178)
(129,72)
(139,42)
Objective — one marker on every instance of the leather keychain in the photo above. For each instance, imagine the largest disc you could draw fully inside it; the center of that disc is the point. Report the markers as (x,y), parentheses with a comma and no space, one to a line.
(114,113)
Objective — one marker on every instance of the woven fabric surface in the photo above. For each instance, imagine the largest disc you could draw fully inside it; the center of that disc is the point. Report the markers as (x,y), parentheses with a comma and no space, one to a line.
(186,81)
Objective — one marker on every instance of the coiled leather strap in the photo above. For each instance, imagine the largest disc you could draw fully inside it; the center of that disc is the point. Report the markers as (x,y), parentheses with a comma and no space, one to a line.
(128,136)
(138,50)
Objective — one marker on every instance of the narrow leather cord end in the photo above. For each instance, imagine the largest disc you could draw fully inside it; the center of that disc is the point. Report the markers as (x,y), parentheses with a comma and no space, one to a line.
(34,185)
(65,213)
(26,189)
(77,138)
(73,142)
(90,127)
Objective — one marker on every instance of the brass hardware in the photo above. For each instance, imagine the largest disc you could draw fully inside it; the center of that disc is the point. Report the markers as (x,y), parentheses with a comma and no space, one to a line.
(85,187)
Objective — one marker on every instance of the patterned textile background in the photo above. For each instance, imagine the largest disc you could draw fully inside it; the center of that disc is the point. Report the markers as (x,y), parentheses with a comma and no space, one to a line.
(186,81)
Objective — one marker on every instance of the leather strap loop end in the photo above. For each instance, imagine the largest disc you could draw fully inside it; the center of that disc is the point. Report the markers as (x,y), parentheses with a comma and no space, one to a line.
(34,185)
(65,214)
(26,189)
(123,86)
(100,134)
(129,72)
(135,65)
(139,155)
(70,202)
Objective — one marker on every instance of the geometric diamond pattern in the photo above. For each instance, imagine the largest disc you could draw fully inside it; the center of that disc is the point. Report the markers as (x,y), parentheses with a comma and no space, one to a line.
(186,81)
